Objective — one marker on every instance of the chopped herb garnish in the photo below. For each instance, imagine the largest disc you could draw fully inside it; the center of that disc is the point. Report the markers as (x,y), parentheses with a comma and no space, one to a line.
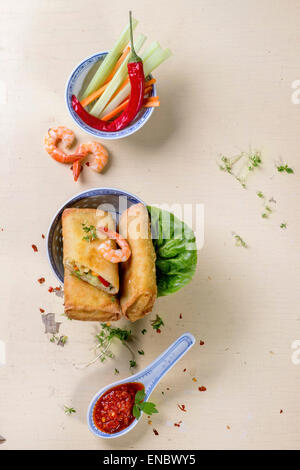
(157,323)
(283,225)
(69,411)
(132,363)
(249,161)
(141,405)
(90,231)
(260,194)
(105,339)
(265,215)
(285,168)
(117,371)
(144,331)
(239,241)
(141,352)
(254,160)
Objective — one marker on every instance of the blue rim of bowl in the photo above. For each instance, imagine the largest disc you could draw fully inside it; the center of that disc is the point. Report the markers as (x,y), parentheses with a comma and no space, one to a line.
(103,135)
(73,199)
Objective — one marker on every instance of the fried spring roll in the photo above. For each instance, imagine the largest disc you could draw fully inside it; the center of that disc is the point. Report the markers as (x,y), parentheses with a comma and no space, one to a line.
(81,241)
(84,302)
(138,291)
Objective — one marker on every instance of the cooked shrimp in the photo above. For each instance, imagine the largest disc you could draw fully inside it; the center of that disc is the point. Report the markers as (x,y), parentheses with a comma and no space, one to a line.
(98,158)
(77,167)
(55,134)
(109,253)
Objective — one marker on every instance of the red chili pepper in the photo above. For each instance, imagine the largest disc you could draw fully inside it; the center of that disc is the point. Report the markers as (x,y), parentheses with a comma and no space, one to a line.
(137,82)
(104,282)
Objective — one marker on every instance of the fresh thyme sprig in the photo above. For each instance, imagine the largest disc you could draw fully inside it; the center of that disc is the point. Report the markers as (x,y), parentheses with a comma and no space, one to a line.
(157,323)
(285,168)
(69,411)
(239,241)
(249,161)
(91,233)
(141,405)
(105,339)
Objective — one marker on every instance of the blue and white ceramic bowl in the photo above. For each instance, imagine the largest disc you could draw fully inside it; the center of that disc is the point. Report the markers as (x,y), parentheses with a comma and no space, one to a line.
(74,86)
(110,199)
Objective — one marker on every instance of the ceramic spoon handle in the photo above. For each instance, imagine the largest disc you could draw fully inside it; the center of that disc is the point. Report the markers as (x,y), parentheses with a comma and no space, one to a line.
(157,369)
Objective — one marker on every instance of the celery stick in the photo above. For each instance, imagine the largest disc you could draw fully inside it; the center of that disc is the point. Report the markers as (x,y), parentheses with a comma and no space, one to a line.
(116,81)
(150,49)
(150,64)
(110,60)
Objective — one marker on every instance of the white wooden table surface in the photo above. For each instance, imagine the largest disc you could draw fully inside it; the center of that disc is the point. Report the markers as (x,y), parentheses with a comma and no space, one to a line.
(226,88)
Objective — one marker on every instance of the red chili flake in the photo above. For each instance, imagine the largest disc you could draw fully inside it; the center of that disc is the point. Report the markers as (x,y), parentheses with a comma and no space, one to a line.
(105,229)
(182,407)
(158,330)
(87,163)
(202,389)
(201,343)
(42,310)
(57,288)
(184,370)
(155,432)
(71,167)
(43,236)
(41,280)
(180,316)
(281,411)
(178,424)
(34,247)
(50,289)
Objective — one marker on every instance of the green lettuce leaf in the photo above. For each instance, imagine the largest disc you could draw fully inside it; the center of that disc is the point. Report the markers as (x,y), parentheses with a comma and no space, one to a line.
(176,251)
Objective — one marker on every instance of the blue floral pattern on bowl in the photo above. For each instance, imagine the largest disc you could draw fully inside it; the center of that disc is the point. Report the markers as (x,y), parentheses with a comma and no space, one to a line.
(73,87)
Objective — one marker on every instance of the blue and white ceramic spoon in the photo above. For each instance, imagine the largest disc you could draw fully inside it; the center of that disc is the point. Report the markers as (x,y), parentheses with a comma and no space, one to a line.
(149,377)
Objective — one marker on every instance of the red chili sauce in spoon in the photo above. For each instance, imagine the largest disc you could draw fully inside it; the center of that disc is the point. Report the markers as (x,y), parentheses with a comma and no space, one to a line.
(113,410)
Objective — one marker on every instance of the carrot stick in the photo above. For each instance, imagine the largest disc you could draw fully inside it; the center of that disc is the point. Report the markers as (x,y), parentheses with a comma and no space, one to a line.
(100,90)
(152,101)
(93,96)
(152,104)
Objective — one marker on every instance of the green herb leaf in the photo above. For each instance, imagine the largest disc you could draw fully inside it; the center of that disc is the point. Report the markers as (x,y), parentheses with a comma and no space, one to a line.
(141,352)
(144,331)
(260,194)
(91,232)
(140,396)
(132,363)
(285,168)
(140,405)
(283,225)
(239,241)
(136,411)
(117,371)
(148,408)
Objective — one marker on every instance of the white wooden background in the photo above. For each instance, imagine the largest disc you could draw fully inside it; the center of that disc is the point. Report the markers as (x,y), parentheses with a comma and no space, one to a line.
(226,88)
